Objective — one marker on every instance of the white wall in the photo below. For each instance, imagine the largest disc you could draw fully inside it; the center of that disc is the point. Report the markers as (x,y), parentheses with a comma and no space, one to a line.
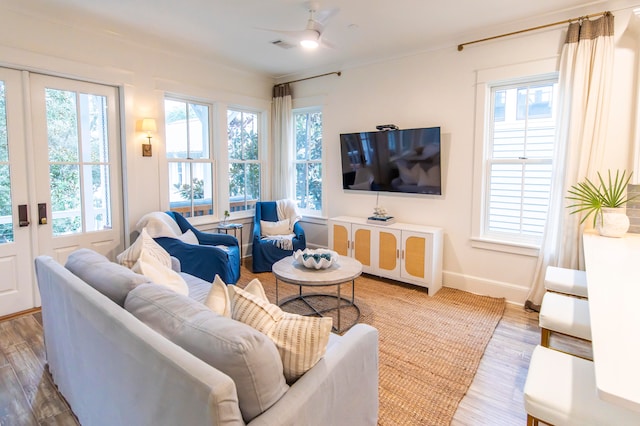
(437,89)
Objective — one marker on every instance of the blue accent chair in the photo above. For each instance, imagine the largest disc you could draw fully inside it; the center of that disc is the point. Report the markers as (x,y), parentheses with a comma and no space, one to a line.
(265,252)
(204,260)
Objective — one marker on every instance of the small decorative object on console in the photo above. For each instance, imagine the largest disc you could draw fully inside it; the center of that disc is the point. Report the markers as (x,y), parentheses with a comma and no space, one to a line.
(315,258)
(381,220)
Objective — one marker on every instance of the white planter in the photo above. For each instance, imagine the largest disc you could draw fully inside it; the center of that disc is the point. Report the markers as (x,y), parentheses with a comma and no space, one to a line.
(613,222)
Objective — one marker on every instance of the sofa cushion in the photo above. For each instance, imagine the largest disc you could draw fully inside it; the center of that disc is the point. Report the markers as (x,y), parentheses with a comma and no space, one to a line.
(149,266)
(244,354)
(109,278)
(301,341)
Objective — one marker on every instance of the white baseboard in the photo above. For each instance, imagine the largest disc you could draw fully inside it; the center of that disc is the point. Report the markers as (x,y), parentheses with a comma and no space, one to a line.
(512,293)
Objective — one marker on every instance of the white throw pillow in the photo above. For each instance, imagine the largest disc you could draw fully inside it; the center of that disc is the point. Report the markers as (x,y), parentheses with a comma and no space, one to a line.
(158,273)
(218,298)
(301,341)
(270,229)
(189,237)
(144,242)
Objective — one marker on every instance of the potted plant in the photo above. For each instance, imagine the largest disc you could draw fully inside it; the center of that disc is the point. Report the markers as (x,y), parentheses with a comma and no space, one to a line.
(605,201)
(226,216)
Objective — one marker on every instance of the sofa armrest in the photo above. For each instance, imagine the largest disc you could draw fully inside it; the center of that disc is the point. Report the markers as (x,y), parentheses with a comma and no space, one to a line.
(342,388)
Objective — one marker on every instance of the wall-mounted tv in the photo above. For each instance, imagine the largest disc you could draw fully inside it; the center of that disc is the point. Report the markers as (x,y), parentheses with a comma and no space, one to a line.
(406,160)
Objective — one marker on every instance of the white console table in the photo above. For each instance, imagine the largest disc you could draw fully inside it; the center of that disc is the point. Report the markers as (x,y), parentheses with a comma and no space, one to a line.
(613,280)
(400,251)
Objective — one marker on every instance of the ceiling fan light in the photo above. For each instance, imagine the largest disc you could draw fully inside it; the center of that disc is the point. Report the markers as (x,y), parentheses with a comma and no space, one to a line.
(309,43)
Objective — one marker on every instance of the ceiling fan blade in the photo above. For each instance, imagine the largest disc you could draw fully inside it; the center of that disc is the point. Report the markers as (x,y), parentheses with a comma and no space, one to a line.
(323,16)
(292,35)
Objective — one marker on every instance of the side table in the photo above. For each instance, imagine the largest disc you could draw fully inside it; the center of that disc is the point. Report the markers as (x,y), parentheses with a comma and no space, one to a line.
(225,227)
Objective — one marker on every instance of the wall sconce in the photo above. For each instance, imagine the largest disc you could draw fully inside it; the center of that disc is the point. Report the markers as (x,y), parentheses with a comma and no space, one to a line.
(147,125)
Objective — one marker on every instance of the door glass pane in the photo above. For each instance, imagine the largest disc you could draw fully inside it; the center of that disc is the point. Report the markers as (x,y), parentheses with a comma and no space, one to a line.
(95,142)
(80,189)
(65,198)
(62,125)
(97,212)
(6,221)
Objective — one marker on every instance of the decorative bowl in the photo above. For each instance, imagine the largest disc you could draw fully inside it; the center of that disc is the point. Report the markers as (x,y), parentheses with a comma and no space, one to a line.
(315,258)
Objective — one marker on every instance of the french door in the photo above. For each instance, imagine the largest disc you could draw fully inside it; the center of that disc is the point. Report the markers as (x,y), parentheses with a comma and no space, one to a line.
(60,177)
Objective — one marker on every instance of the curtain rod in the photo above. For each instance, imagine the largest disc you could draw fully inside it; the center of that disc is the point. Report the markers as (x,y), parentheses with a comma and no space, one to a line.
(338,73)
(566,21)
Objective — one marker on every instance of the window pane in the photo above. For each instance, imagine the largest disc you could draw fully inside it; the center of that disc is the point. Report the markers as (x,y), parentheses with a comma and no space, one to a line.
(93,119)
(97,213)
(6,217)
(308,134)
(244,186)
(190,188)
(65,198)
(175,116)
(198,131)
(187,129)
(4,140)
(242,134)
(6,206)
(62,125)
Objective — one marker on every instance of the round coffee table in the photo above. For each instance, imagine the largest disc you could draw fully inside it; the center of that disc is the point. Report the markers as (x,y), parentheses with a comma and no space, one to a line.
(344,270)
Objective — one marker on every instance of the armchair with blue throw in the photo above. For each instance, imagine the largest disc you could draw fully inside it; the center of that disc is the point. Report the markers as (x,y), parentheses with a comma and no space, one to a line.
(213,254)
(281,239)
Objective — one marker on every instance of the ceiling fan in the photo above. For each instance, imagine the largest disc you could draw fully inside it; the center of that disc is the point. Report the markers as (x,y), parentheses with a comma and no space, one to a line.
(311,37)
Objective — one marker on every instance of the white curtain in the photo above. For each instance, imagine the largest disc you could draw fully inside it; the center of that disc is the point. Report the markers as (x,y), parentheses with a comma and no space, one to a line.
(586,67)
(282,127)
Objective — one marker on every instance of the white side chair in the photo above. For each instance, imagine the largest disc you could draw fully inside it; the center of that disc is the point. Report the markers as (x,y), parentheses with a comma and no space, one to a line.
(564,314)
(561,390)
(567,281)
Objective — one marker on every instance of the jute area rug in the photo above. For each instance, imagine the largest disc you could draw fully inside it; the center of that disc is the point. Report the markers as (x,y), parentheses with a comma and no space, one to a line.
(429,347)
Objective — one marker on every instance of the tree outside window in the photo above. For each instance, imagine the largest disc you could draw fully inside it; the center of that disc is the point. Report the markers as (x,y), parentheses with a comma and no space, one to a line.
(308,159)
(244,159)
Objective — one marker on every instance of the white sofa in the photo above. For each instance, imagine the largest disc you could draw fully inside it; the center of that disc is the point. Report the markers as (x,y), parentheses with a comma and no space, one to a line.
(114,368)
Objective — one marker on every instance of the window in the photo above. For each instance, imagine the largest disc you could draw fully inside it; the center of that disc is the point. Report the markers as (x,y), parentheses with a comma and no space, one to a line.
(244,159)
(520,138)
(188,134)
(308,159)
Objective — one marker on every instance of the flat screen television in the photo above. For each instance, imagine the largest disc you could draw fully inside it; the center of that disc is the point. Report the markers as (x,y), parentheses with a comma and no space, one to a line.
(406,160)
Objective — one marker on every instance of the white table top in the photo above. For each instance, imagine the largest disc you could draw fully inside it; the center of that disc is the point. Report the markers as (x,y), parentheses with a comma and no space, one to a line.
(613,280)
(290,271)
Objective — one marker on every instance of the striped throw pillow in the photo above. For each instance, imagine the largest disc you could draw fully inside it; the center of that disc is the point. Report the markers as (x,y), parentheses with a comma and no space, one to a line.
(301,341)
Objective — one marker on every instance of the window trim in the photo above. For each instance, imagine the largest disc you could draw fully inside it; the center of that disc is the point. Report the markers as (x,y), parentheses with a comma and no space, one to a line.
(308,212)
(485,80)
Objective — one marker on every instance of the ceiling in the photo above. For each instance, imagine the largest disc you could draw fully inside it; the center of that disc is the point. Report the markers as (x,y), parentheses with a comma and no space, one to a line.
(362,31)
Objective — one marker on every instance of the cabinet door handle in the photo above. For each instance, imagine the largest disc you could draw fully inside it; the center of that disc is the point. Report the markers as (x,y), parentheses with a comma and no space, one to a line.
(402,254)
(397,253)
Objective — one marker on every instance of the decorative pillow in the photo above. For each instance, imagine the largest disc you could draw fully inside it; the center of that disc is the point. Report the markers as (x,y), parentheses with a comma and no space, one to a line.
(144,242)
(218,298)
(219,301)
(113,280)
(301,341)
(430,178)
(247,356)
(189,237)
(159,273)
(270,229)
